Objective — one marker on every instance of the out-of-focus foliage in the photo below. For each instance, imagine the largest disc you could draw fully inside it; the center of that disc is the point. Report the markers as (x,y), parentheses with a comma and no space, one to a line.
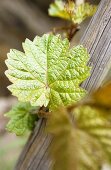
(72,12)
(49,72)
(22,118)
(103,96)
(64,144)
(82,12)
(89,121)
(95,122)
(57,9)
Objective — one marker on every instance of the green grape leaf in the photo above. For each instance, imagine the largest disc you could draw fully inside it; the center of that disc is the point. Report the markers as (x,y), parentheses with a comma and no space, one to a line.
(72,12)
(49,72)
(22,118)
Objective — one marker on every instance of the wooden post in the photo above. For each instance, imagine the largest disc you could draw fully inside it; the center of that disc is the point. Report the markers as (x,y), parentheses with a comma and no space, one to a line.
(97,39)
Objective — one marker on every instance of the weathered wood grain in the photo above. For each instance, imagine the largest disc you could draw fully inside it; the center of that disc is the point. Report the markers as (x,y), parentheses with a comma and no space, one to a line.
(97,39)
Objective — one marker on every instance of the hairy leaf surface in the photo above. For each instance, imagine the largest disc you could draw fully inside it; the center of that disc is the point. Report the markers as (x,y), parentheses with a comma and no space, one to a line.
(22,118)
(57,9)
(83,11)
(49,72)
(72,12)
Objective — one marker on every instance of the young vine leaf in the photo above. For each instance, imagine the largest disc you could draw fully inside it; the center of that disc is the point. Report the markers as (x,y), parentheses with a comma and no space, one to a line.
(83,11)
(49,72)
(57,9)
(72,12)
(22,118)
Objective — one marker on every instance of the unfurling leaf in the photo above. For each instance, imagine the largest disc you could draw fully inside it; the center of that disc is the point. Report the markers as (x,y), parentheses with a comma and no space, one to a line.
(72,12)
(48,73)
(22,118)
(83,11)
(57,9)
